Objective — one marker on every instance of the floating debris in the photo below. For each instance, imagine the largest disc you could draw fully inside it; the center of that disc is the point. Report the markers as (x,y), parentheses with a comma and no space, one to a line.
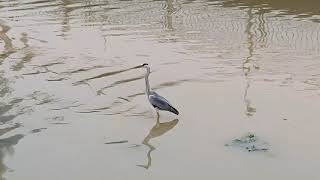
(59,79)
(56,120)
(124,99)
(117,142)
(250,143)
(37,130)
(50,64)
(56,123)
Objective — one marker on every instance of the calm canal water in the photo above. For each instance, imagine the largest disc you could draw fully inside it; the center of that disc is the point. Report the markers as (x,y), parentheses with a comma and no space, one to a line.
(243,74)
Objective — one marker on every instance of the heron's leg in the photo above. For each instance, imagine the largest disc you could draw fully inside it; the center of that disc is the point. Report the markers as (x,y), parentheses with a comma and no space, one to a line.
(158,116)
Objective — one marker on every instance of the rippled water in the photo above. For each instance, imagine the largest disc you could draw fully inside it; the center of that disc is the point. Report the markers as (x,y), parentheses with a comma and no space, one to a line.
(71,107)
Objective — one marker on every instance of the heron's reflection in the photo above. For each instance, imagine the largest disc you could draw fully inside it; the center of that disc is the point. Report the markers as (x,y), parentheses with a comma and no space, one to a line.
(157,130)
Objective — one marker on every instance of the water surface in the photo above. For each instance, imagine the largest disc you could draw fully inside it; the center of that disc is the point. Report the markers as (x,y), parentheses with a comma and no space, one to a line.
(71,107)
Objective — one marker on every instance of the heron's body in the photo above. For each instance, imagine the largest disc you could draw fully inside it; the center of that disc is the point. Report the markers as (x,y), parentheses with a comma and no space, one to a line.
(157,101)
(161,103)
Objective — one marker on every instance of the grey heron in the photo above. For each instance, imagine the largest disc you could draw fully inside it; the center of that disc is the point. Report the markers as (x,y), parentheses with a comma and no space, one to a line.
(157,101)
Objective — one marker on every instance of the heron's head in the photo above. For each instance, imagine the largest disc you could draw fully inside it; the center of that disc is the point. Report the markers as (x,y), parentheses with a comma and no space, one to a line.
(142,65)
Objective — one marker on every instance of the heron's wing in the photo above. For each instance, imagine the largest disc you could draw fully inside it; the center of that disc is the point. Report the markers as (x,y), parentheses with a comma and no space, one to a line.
(159,101)
(162,98)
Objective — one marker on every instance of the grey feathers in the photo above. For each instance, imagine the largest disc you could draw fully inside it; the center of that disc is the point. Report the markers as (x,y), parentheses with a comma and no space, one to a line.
(161,103)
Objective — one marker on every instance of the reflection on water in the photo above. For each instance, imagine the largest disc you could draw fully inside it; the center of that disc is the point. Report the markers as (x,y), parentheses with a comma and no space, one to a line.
(65,24)
(27,53)
(8,47)
(249,64)
(6,119)
(301,9)
(66,66)
(6,146)
(168,14)
(157,130)
(4,88)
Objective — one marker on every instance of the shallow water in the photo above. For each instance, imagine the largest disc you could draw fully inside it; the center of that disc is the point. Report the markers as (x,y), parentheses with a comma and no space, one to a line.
(71,107)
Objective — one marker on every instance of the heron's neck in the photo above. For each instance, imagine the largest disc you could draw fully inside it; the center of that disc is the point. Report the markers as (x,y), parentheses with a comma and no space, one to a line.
(147,81)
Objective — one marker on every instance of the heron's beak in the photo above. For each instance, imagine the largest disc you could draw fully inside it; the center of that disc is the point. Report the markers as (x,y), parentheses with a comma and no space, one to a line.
(136,67)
